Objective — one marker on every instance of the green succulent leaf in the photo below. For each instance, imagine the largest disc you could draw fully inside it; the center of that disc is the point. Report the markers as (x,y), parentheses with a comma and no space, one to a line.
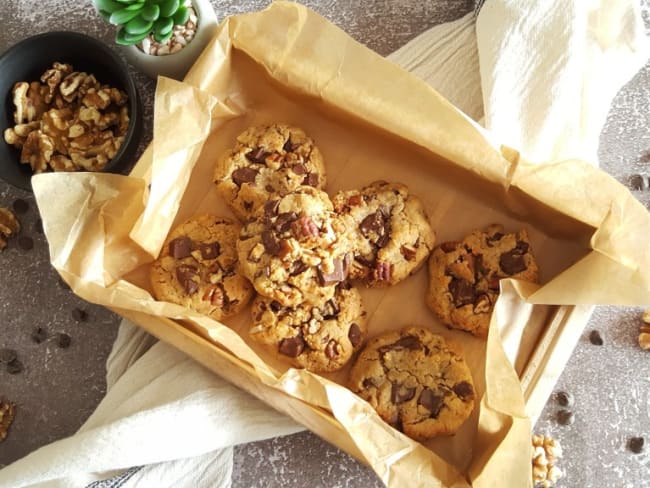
(109,6)
(125,39)
(138,25)
(151,12)
(169,7)
(135,7)
(105,15)
(162,38)
(181,16)
(163,26)
(123,16)
(127,1)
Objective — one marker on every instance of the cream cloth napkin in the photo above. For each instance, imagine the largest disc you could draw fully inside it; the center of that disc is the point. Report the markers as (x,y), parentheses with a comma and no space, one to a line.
(542,75)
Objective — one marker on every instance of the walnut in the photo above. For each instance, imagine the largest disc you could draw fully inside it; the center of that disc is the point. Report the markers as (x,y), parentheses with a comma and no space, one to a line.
(70,84)
(29,103)
(546,452)
(17,134)
(644,331)
(37,151)
(53,77)
(7,413)
(9,226)
(59,162)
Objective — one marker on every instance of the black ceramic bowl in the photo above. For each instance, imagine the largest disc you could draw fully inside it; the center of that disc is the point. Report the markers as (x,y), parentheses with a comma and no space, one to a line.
(29,59)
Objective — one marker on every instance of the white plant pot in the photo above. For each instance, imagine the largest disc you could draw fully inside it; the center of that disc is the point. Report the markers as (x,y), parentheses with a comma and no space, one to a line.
(178,64)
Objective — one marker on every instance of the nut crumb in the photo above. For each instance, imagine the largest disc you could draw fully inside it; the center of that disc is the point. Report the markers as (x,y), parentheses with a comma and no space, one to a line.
(644,331)
(546,452)
(7,413)
(9,226)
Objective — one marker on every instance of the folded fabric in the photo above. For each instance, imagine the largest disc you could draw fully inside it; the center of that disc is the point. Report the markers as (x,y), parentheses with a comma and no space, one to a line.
(542,73)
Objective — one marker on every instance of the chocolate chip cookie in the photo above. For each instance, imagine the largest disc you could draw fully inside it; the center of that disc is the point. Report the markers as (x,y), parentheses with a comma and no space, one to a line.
(319,338)
(197,268)
(295,250)
(464,275)
(390,230)
(266,161)
(418,382)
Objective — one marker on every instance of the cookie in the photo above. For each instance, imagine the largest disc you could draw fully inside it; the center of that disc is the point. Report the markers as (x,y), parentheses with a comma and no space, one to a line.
(464,276)
(417,381)
(197,268)
(295,250)
(391,232)
(267,161)
(319,338)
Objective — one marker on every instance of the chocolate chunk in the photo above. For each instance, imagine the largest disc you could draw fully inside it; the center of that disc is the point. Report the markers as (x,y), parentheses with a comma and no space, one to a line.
(310,179)
(368,263)
(39,334)
(7,355)
(298,267)
(248,206)
(288,145)
(497,236)
(270,242)
(463,390)
(181,247)
(636,444)
(292,347)
(462,291)
(595,338)
(20,206)
(399,394)
(184,275)
(522,247)
(269,188)
(257,156)
(79,315)
(284,220)
(210,250)
(564,399)
(512,262)
(63,340)
(409,342)
(449,246)
(331,349)
(374,222)
(15,366)
(337,274)
(38,226)
(271,208)
(565,417)
(368,383)
(354,334)
(383,240)
(26,243)
(244,175)
(275,306)
(299,169)
(331,310)
(432,402)
(408,252)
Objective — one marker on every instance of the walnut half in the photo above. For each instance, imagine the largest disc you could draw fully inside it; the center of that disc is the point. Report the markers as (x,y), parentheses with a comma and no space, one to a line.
(546,452)
(9,226)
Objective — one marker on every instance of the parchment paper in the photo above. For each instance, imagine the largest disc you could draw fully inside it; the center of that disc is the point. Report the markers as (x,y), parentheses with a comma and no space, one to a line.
(372,121)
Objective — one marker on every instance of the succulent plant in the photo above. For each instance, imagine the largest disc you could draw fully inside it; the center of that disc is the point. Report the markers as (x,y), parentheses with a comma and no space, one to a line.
(139,18)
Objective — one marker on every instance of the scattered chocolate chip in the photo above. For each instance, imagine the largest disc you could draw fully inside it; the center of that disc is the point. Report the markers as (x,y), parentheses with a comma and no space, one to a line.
(271,208)
(275,306)
(210,251)
(354,334)
(15,366)
(185,275)
(181,247)
(7,355)
(270,242)
(298,267)
(449,246)
(595,338)
(337,274)
(565,417)
(79,315)
(331,349)
(464,390)
(512,262)
(399,394)
(636,444)
(20,206)
(244,175)
(284,220)
(38,226)
(257,155)
(299,169)
(462,291)
(26,243)
(292,347)
(63,340)
(39,334)
(564,399)
(310,179)
(432,402)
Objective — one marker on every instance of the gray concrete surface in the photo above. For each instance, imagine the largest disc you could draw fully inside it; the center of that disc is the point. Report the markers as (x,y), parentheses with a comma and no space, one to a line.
(60,387)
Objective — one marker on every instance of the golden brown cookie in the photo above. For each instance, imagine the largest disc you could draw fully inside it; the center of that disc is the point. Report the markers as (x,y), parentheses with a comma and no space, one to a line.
(391,233)
(267,161)
(464,276)
(197,268)
(318,338)
(417,381)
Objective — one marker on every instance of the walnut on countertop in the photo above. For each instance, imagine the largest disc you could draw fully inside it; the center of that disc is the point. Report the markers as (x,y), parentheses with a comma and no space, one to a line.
(7,413)
(644,331)
(9,226)
(546,452)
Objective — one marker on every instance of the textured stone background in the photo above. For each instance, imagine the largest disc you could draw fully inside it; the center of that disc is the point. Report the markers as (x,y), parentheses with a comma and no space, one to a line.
(59,388)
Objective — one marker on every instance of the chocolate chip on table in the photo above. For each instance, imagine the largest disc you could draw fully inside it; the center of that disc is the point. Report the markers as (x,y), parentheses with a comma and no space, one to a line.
(39,334)
(79,315)
(20,206)
(595,338)
(292,346)
(26,243)
(244,175)
(7,355)
(636,444)
(564,398)
(15,366)
(354,334)
(565,417)
(63,340)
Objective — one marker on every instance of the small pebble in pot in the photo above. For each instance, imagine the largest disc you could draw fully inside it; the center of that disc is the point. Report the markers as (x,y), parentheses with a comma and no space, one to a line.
(595,338)
(63,340)
(20,206)
(26,243)
(635,444)
(564,398)
(79,315)
(14,367)
(7,355)
(565,417)
(39,334)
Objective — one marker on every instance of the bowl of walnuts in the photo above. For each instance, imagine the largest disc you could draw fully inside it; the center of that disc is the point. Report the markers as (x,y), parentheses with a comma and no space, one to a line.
(67,103)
